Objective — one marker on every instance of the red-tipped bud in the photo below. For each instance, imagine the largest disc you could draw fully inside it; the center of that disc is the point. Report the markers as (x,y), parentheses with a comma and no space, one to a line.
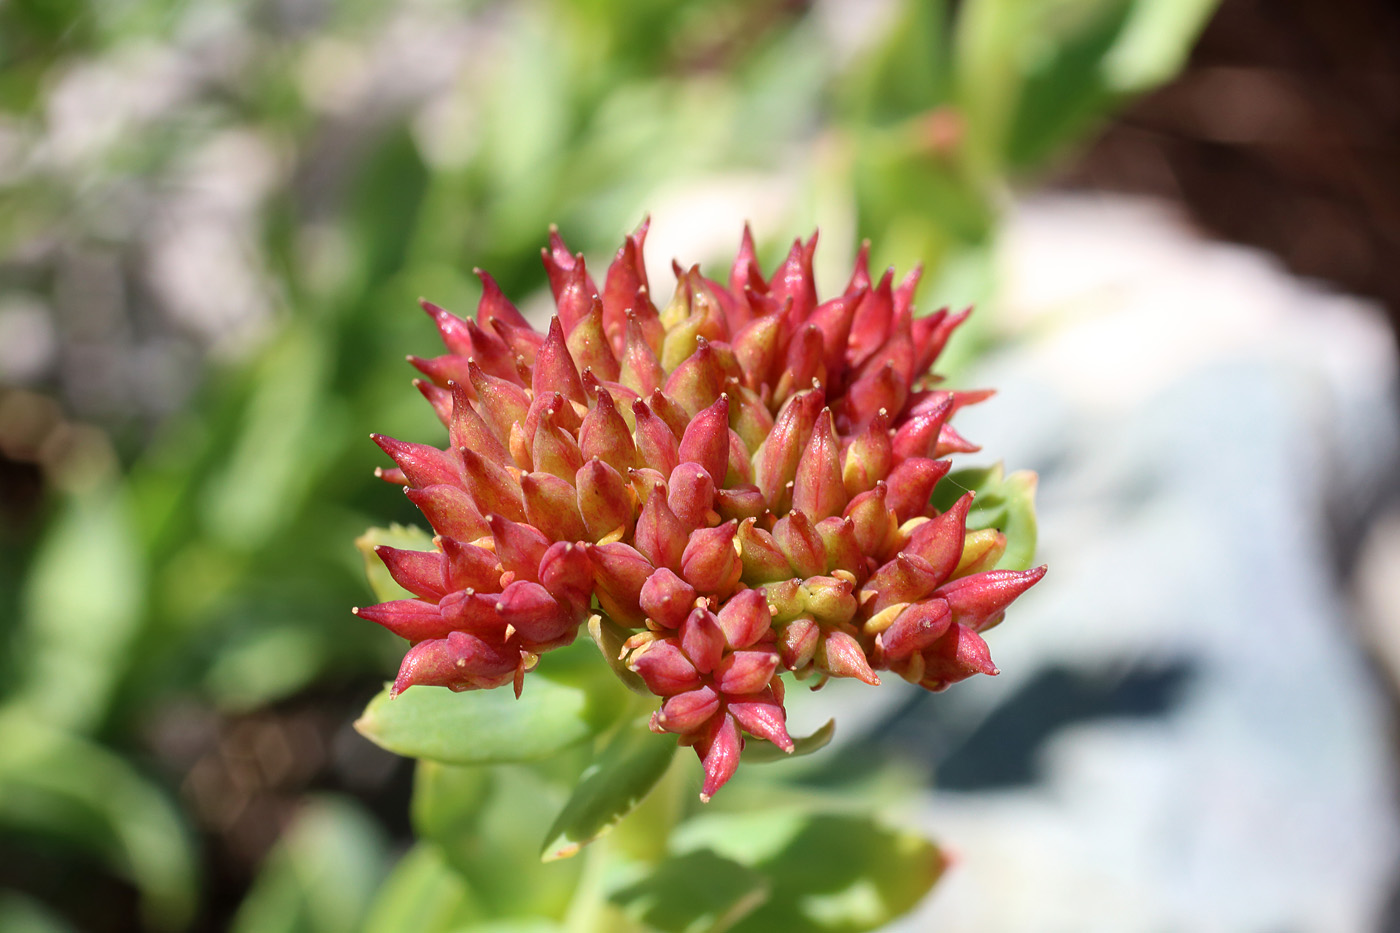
(940,539)
(686,712)
(492,486)
(872,520)
(756,348)
(980,600)
(870,324)
(775,464)
(718,747)
(413,619)
(501,404)
(918,437)
(698,381)
(551,505)
(519,547)
(589,346)
(818,489)
(458,662)
(666,598)
(536,617)
(797,643)
(840,655)
(911,485)
(745,618)
(703,640)
(621,572)
(422,573)
(869,457)
(843,551)
(660,536)
(555,450)
(905,579)
(957,655)
(656,445)
(641,371)
(469,566)
(765,718)
(692,495)
(706,440)
(951,442)
(915,629)
(492,354)
(421,464)
(451,328)
(555,370)
(664,668)
(605,500)
(604,434)
(466,428)
(830,600)
(798,539)
(450,510)
(495,306)
(711,562)
(794,280)
(746,672)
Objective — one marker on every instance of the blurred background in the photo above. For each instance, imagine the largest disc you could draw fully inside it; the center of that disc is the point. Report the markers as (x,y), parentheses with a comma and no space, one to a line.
(1180,221)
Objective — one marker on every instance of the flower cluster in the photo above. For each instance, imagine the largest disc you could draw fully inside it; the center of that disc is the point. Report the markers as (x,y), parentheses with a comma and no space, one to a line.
(741,479)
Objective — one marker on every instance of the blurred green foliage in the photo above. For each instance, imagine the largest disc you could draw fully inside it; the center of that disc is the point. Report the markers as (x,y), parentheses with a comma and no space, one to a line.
(403,144)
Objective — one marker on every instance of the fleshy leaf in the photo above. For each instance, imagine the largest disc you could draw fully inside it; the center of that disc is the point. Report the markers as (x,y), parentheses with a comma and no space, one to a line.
(697,892)
(1006,503)
(423,894)
(320,875)
(620,777)
(881,874)
(404,537)
(767,751)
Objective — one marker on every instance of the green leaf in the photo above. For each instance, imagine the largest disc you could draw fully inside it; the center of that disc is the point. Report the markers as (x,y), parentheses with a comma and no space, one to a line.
(694,892)
(561,705)
(609,637)
(320,875)
(488,821)
(621,775)
(63,786)
(21,914)
(404,537)
(1006,503)
(767,751)
(423,894)
(83,605)
(828,873)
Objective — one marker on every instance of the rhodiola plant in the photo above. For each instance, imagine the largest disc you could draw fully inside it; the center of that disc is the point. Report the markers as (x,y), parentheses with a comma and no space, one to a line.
(745,490)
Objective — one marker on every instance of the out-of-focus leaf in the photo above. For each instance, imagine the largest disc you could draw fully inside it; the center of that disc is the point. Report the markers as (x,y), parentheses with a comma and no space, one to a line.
(423,894)
(695,892)
(404,537)
(1006,503)
(281,447)
(767,751)
(621,775)
(20,914)
(1154,43)
(82,607)
(56,783)
(560,706)
(320,876)
(488,823)
(263,665)
(826,872)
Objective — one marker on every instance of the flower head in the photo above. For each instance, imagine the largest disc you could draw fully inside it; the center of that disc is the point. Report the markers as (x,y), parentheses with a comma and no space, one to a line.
(743,478)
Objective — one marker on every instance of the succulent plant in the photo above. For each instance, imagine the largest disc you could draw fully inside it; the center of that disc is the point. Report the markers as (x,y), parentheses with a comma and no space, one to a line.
(735,486)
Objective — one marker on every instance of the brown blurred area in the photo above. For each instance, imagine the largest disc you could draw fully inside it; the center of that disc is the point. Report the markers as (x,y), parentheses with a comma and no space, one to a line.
(1283,133)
